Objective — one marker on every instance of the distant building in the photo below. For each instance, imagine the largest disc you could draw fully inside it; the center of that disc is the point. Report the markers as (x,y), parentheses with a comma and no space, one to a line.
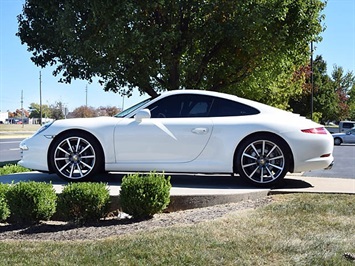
(4,116)
(45,120)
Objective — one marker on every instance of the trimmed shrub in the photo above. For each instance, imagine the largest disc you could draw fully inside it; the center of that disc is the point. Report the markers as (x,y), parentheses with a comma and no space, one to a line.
(31,202)
(143,196)
(84,202)
(4,207)
(12,169)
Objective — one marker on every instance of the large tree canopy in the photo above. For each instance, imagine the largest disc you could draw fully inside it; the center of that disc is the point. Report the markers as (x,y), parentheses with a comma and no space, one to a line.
(333,97)
(172,44)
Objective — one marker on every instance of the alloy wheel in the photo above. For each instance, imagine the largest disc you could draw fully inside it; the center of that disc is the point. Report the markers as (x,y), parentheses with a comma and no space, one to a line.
(74,158)
(263,161)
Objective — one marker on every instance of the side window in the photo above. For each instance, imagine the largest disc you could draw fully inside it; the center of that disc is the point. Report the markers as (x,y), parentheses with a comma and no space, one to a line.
(186,105)
(192,105)
(197,106)
(224,107)
(348,125)
(168,107)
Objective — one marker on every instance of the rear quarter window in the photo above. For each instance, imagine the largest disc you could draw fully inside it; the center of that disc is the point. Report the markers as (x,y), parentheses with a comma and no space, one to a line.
(223,107)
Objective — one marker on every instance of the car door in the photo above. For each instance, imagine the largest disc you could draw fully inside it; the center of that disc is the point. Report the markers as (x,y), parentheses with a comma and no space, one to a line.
(177,132)
(350,136)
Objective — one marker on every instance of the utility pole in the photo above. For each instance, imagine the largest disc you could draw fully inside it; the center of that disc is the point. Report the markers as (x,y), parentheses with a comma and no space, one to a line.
(22,108)
(86,92)
(312,83)
(124,93)
(40,98)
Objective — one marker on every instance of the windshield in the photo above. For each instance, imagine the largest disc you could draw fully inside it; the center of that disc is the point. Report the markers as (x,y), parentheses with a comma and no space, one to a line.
(132,108)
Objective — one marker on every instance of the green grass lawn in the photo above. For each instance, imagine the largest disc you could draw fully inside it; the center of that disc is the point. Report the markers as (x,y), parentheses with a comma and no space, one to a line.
(296,229)
(15,127)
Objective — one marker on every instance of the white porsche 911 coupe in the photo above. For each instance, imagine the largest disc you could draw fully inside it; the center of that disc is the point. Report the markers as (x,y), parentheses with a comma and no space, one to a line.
(185,131)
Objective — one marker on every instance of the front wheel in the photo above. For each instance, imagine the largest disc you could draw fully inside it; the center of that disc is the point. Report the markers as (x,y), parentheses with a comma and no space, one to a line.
(337,141)
(75,156)
(263,161)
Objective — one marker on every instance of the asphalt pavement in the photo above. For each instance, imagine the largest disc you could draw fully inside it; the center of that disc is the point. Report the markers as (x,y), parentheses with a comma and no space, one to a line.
(344,164)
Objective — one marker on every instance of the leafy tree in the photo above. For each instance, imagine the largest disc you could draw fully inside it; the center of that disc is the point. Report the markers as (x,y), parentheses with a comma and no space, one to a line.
(35,110)
(325,101)
(275,84)
(20,112)
(107,110)
(243,47)
(88,111)
(57,110)
(352,103)
(84,111)
(342,83)
(332,94)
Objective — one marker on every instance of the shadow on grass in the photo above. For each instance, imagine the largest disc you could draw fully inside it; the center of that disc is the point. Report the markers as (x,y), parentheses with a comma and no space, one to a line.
(59,226)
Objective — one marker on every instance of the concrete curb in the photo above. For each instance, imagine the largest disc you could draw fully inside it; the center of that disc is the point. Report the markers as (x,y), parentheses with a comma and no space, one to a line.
(208,191)
(178,203)
(184,199)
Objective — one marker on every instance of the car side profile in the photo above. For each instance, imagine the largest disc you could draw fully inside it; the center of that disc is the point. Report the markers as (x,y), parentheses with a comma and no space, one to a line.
(184,131)
(344,138)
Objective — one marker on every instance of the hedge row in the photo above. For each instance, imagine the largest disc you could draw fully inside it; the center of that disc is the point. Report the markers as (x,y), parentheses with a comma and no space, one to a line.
(141,196)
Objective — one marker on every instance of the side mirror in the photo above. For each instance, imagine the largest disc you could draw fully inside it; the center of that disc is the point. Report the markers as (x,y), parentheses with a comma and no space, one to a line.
(142,114)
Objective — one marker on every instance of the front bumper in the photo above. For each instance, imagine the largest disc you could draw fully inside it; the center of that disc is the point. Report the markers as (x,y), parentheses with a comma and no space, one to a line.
(34,153)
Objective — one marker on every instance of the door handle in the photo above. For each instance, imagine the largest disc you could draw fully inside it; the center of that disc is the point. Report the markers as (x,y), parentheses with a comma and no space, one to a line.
(200,130)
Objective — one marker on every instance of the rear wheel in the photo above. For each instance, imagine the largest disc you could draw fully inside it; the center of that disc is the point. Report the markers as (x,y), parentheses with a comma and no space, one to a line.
(76,156)
(263,160)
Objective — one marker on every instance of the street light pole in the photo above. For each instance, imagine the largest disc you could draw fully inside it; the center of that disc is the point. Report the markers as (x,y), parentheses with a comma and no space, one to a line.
(86,93)
(312,83)
(40,98)
(22,109)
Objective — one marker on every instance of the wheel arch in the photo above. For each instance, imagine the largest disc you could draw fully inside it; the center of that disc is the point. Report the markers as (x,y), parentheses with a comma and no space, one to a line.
(265,134)
(71,131)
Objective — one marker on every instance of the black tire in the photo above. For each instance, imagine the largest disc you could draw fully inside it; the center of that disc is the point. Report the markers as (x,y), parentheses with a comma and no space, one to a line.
(337,141)
(263,160)
(76,156)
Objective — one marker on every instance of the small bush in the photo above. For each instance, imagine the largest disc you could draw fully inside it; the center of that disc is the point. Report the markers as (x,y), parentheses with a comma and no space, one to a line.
(4,207)
(84,202)
(31,202)
(12,169)
(143,196)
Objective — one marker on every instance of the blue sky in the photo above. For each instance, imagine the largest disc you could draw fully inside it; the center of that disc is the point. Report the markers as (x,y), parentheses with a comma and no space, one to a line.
(18,73)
